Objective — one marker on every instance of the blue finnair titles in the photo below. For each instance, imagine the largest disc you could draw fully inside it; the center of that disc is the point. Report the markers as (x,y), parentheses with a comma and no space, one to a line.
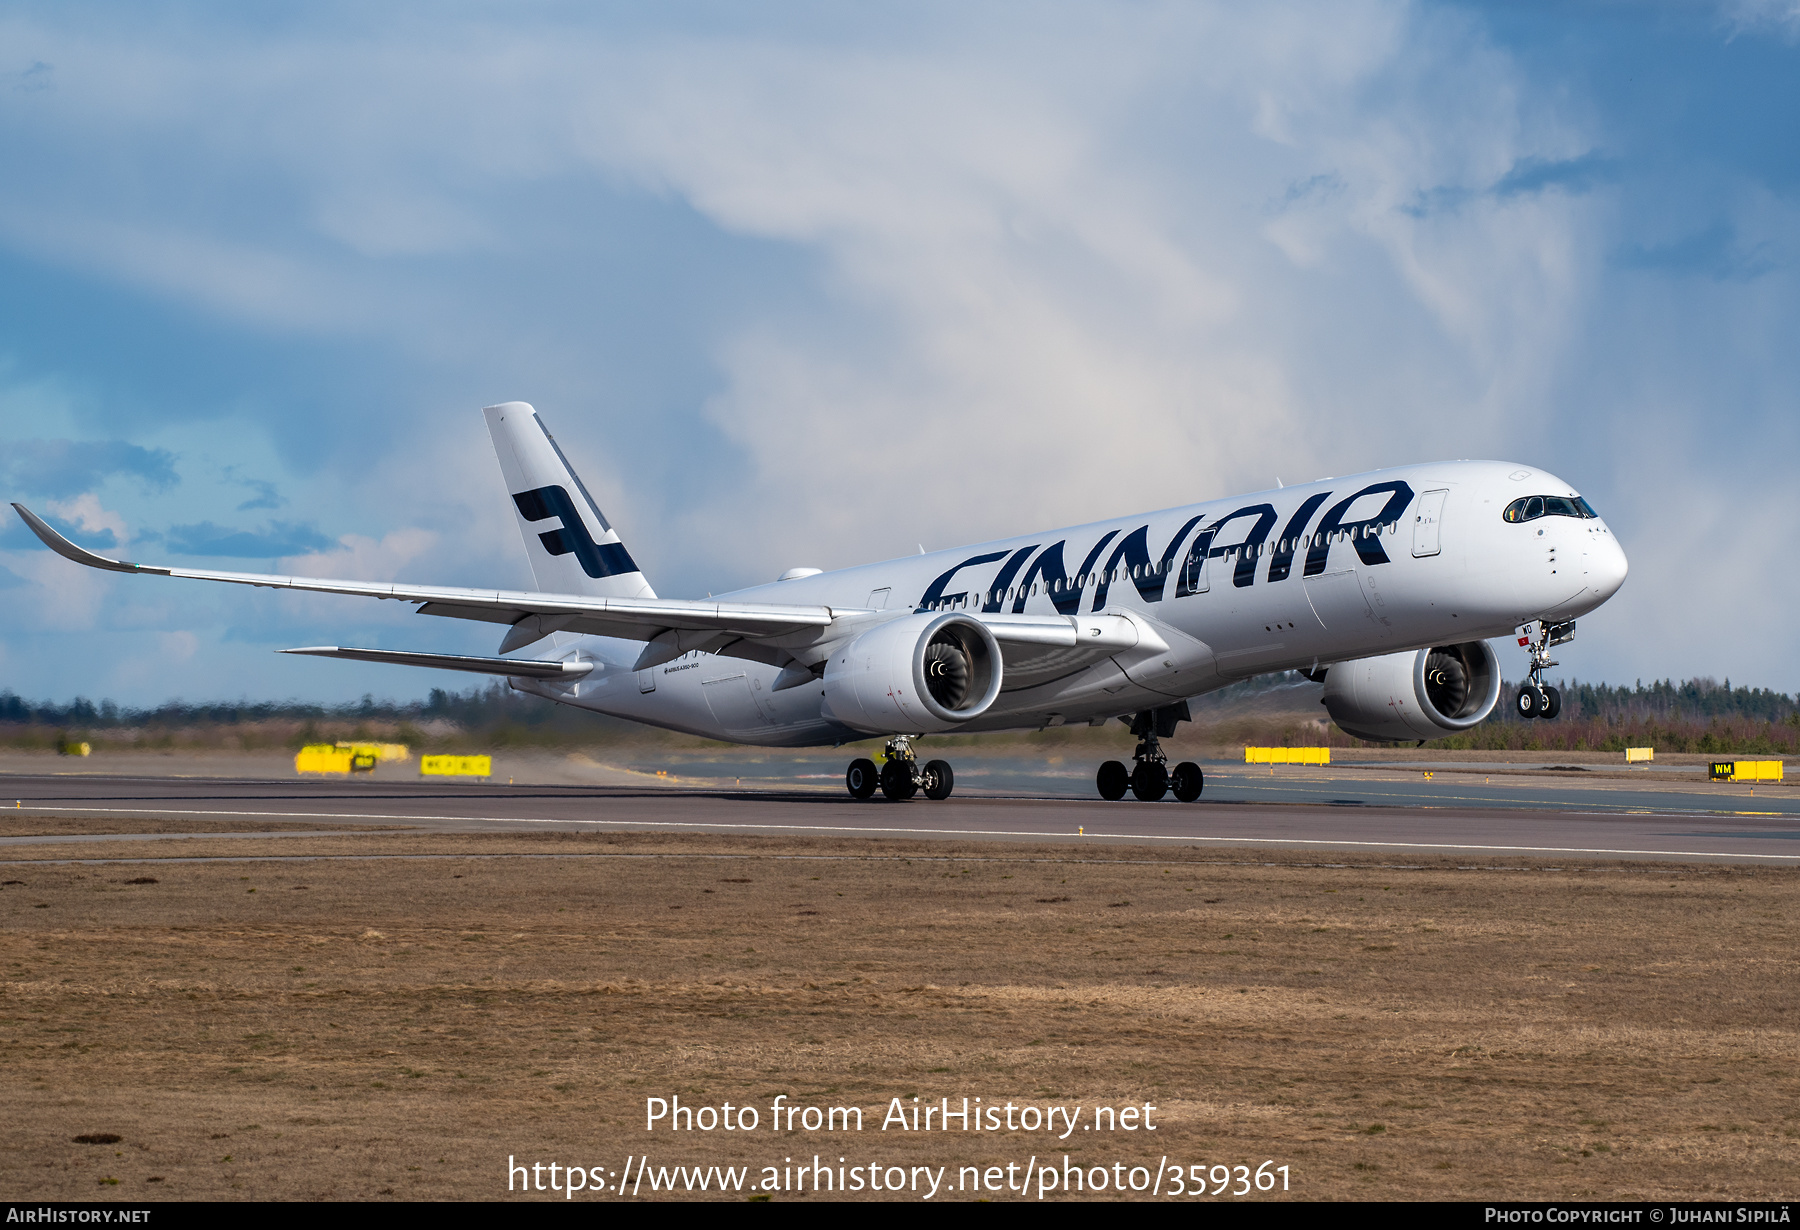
(1386,585)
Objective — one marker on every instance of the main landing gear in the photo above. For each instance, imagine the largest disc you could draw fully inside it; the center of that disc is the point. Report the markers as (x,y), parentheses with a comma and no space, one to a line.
(900,776)
(1537,699)
(1150,777)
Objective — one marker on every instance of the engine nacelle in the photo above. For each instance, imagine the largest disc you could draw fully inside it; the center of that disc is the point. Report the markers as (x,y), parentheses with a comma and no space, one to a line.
(1420,694)
(914,675)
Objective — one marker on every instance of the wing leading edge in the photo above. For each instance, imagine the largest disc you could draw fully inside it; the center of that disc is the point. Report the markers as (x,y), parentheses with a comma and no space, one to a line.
(780,635)
(640,619)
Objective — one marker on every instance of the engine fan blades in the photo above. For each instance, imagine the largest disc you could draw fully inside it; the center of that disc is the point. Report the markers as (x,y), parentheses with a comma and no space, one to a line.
(947,673)
(1446,683)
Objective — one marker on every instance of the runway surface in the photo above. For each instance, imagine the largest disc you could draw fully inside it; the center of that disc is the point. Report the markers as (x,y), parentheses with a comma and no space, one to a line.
(1326,813)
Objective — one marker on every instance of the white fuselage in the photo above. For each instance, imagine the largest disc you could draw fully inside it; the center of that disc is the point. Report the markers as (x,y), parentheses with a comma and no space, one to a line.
(1295,578)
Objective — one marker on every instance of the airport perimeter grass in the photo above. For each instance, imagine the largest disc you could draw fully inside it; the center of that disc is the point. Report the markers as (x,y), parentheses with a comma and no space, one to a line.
(396,1028)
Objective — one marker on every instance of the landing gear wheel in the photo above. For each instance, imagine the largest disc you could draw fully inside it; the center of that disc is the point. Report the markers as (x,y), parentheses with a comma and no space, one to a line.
(897,782)
(1538,699)
(1112,780)
(861,778)
(1150,781)
(1187,781)
(939,779)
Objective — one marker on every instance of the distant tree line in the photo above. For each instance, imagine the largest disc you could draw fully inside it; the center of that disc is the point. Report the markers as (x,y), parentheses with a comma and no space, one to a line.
(1691,700)
(1688,700)
(493,713)
(1696,715)
(480,706)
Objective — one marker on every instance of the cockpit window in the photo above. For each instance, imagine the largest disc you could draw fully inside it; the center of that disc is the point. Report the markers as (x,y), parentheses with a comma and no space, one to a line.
(1531,507)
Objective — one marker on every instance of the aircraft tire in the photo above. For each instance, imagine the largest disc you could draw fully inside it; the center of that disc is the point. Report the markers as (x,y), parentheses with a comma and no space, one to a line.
(940,779)
(1187,781)
(1552,703)
(1526,705)
(897,783)
(1112,780)
(1149,781)
(861,779)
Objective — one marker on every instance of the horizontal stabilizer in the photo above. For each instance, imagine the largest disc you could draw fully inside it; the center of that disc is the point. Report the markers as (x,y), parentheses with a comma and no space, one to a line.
(524,668)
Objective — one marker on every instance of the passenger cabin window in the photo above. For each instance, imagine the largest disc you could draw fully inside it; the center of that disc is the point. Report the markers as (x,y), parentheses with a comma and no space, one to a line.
(1531,507)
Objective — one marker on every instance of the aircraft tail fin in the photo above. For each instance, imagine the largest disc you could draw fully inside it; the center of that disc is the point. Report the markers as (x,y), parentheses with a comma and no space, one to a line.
(572,547)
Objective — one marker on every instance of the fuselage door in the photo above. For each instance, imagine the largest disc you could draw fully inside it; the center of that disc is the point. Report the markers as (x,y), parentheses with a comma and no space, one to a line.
(1194,579)
(878,600)
(1427,517)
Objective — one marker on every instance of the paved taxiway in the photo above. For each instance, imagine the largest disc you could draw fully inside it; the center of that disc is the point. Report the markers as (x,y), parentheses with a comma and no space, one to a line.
(1328,815)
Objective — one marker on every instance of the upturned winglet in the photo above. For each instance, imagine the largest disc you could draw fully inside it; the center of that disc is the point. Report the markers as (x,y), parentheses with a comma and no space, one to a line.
(68,550)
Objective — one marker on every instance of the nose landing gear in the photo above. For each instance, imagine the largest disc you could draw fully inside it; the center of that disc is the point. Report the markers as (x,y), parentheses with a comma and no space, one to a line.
(900,777)
(1150,777)
(1537,699)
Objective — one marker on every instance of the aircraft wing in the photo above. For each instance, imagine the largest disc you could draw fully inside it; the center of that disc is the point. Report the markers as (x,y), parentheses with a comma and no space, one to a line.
(533,615)
(1037,647)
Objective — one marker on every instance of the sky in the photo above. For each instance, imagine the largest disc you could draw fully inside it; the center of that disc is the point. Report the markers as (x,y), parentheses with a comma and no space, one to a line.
(808,284)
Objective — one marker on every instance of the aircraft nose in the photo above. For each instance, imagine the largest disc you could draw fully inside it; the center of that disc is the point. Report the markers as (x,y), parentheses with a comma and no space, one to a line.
(1607,567)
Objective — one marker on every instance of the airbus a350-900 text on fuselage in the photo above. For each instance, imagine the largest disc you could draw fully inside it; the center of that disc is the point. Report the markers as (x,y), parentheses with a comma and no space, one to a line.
(1386,586)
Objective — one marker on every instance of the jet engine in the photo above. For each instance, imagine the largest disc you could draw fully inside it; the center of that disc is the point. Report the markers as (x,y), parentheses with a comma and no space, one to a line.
(916,674)
(1417,695)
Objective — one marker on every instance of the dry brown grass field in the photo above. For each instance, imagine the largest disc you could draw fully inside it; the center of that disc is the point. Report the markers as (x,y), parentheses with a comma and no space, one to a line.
(397,1027)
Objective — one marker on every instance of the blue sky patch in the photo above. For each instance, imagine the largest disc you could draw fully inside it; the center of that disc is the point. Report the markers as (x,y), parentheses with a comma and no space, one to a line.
(275,540)
(59,468)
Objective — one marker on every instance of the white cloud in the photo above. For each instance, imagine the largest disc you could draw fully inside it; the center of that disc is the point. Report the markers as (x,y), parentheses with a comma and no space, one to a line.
(1781,16)
(177,646)
(1067,299)
(85,510)
(64,598)
(361,558)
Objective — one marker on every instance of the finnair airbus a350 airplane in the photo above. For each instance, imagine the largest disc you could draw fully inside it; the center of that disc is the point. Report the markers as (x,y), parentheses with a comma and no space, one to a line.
(1386,586)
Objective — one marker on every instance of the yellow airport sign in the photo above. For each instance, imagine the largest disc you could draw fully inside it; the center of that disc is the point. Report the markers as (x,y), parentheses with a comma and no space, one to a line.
(1638,755)
(457,766)
(1747,770)
(1287,755)
(322,758)
(385,753)
(346,757)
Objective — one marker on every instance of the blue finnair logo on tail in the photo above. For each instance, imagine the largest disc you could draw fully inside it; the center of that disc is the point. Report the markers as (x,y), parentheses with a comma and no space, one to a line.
(608,559)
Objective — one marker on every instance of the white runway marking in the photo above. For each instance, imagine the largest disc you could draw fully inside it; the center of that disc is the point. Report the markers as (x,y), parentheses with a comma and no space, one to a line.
(921,832)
